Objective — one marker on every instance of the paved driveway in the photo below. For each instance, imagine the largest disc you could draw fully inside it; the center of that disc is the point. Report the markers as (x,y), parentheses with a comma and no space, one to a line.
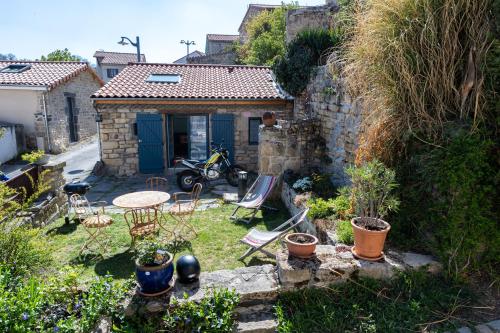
(80,160)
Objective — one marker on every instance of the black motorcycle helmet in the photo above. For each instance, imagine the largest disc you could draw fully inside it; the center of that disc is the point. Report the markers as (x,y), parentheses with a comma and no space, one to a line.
(188,269)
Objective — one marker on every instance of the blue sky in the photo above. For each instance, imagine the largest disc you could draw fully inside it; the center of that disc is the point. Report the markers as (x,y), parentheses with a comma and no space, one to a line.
(31,28)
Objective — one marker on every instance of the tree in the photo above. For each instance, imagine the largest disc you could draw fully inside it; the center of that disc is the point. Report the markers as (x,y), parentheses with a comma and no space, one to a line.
(61,55)
(8,56)
(266,37)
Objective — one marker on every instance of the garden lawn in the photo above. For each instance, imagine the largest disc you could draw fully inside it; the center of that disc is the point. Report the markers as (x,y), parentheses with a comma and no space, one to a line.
(217,245)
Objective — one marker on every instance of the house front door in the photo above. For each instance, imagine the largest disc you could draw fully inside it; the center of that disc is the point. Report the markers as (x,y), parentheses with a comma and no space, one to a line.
(223,132)
(150,138)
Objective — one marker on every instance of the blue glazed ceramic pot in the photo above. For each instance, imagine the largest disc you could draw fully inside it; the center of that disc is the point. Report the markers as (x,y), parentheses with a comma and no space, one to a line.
(155,279)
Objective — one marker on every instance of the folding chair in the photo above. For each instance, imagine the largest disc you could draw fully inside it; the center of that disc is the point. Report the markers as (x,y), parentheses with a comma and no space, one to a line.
(93,222)
(255,197)
(257,239)
(141,222)
(182,210)
(157,184)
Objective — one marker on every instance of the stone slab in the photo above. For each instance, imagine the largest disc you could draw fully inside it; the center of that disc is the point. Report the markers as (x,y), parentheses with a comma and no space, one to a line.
(483,329)
(419,261)
(253,284)
(494,325)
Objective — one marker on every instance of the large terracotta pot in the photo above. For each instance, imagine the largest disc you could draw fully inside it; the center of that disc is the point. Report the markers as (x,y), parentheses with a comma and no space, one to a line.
(369,244)
(301,249)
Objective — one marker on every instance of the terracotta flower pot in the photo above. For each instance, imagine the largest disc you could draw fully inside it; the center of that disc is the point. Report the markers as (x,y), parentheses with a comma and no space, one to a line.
(369,242)
(269,119)
(301,245)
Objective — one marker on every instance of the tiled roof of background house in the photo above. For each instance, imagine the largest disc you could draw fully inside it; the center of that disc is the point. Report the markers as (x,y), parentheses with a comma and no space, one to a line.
(47,74)
(117,58)
(196,82)
(223,38)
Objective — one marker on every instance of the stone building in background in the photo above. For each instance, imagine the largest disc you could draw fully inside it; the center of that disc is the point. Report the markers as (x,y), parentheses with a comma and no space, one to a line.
(109,64)
(51,100)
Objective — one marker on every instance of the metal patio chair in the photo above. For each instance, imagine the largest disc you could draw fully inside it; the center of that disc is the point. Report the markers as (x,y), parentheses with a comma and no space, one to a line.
(182,210)
(257,239)
(141,222)
(255,197)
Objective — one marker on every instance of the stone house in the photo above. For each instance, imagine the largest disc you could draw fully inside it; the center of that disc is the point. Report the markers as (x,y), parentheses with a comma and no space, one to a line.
(154,114)
(219,43)
(51,101)
(109,64)
(191,55)
(252,11)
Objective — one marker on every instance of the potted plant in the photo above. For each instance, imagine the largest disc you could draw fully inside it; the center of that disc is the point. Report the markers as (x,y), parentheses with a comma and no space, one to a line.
(372,184)
(301,245)
(269,118)
(36,157)
(153,268)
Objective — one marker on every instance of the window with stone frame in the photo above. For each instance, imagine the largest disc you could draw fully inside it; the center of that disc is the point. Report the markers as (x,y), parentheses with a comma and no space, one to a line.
(111,72)
(253,130)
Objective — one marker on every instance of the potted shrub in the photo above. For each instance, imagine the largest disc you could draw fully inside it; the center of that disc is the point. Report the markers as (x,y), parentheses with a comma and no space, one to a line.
(36,157)
(301,245)
(269,118)
(153,267)
(372,184)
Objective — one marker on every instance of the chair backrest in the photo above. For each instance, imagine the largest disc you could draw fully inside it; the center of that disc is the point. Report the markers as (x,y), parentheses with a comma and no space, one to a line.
(140,216)
(157,184)
(80,205)
(195,193)
(260,190)
(293,222)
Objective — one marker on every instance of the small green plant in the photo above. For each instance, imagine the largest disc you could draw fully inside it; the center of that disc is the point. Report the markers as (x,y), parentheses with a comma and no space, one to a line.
(372,184)
(33,156)
(8,206)
(151,252)
(334,208)
(303,185)
(214,313)
(344,232)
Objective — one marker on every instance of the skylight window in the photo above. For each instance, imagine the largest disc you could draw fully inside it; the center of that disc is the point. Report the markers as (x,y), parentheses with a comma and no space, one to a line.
(17,68)
(164,78)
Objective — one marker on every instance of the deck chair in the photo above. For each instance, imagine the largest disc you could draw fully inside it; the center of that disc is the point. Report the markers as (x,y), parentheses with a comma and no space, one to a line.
(255,197)
(257,239)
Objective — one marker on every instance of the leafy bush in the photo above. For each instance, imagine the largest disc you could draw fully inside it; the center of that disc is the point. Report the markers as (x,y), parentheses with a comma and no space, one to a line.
(338,207)
(23,250)
(33,156)
(303,185)
(214,313)
(8,207)
(322,185)
(294,69)
(33,305)
(344,232)
(372,184)
(151,252)
(449,198)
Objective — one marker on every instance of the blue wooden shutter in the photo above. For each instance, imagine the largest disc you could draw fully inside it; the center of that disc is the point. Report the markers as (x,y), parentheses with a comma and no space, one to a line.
(150,136)
(223,132)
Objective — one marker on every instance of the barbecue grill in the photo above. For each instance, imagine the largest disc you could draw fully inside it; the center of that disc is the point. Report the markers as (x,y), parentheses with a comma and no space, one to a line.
(80,188)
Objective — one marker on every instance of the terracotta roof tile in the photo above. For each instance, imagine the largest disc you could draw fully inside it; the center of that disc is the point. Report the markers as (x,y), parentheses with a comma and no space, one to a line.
(43,73)
(197,82)
(223,38)
(117,58)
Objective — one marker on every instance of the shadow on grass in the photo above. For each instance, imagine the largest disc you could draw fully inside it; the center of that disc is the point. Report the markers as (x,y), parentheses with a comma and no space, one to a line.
(121,265)
(64,229)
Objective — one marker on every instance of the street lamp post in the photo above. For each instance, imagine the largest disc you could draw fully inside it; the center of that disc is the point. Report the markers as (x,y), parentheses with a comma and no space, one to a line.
(187,42)
(136,44)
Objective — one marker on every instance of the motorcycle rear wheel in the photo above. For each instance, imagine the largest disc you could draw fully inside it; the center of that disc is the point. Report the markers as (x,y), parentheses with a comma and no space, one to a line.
(186,180)
(232,174)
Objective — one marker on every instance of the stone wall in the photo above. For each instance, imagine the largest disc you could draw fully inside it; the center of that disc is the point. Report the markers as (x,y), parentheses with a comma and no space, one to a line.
(325,99)
(81,87)
(120,146)
(309,17)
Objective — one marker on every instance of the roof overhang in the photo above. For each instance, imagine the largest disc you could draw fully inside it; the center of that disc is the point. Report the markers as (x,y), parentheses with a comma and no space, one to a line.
(23,87)
(189,101)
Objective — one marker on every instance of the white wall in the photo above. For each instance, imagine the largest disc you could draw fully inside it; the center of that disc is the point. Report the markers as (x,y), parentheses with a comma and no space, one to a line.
(8,144)
(19,107)
(103,71)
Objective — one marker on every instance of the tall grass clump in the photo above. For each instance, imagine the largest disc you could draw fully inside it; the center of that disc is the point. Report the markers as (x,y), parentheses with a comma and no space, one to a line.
(417,64)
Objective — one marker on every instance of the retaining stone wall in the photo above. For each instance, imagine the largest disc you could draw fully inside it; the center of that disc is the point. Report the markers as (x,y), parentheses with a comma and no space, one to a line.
(309,17)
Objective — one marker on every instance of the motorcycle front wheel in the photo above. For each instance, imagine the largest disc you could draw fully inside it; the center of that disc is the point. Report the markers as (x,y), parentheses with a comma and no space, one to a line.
(232,175)
(186,180)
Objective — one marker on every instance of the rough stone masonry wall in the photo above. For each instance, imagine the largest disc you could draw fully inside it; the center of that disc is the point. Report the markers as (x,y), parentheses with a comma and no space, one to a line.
(120,146)
(325,99)
(309,17)
(82,86)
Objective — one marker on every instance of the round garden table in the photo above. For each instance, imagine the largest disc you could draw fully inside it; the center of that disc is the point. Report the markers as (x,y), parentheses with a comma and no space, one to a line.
(141,199)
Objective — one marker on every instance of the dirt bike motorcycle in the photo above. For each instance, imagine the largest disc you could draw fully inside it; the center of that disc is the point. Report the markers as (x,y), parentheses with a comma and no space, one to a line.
(216,167)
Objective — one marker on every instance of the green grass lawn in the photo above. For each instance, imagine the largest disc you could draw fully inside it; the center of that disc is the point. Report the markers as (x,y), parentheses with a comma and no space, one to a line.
(217,245)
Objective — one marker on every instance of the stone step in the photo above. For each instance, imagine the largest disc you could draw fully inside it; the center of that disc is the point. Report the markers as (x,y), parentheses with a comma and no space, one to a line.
(254,284)
(256,319)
